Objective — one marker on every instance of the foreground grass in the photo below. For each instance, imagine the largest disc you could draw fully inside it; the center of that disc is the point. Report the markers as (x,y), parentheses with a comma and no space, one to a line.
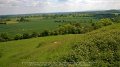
(55,48)
(37,49)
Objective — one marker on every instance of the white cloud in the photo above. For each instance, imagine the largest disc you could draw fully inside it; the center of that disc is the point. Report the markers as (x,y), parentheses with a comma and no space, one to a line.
(37,6)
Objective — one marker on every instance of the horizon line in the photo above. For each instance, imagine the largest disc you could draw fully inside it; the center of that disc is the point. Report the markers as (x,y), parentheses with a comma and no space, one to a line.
(55,12)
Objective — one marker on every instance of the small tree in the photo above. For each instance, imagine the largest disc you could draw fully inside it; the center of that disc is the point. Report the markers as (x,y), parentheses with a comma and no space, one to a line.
(96,25)
(22,19)
(4,37)
(116,19)
(45,33)
(34,34)
(26,36)
(105,22)
(18,37)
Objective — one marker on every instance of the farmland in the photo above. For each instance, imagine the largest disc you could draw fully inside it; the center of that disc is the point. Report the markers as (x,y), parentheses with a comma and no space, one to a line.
(39,25)
(90,39)
(55,48)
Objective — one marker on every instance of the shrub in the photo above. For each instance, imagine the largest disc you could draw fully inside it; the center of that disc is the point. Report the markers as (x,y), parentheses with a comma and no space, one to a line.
(26,36)
(101,48)
(45,33)
(34,34)
(105,21)
(18,37)
(4,37)
(96,25)
(22,19)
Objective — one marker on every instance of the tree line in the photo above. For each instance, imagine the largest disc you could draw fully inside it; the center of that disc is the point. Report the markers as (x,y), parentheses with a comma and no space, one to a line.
(70,28)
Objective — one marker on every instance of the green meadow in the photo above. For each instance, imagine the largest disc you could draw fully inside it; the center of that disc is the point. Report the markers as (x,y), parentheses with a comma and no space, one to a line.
(104,45)
(88,39)
(40,24)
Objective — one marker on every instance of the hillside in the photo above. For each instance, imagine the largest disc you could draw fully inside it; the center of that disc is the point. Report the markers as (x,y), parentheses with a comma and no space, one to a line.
(65,48)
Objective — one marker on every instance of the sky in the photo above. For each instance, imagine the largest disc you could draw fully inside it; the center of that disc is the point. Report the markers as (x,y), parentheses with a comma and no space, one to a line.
(48,6)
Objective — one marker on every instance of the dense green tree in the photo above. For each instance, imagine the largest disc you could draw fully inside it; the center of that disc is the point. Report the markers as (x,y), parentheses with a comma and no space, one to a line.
(26,35)
(18,37)
(116,19)
(96,25)
(105,21)
(4,37)
(22,19)
(102,22)
(34,34)
(45,33)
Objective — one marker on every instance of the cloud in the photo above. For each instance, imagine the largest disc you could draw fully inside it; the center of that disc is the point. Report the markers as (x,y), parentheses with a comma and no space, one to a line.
(37,6)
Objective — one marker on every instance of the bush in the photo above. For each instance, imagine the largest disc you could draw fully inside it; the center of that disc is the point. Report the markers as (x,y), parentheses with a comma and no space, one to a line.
(105,22)
(101,23)
(4,37)
(34,34)
(22,19)
(96,25)
(45,33)
(100,48)
(18,37)
(26,36)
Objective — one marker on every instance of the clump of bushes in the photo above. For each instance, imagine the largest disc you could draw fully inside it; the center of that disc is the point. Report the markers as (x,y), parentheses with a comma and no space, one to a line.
(102,22)
(100,48)
(4,37)
(22,19)
(18,37)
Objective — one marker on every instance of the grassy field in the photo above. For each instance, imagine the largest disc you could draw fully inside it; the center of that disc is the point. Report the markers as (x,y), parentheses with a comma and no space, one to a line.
(38,25)
(51,48)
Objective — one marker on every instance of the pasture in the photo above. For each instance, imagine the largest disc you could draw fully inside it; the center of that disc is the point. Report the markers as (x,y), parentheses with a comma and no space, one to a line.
(36,24)
(35,40)
(55,48)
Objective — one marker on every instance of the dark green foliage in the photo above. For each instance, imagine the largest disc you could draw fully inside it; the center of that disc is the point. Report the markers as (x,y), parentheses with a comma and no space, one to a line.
(2,21)
(70,29)
(22,19)
(96,25)
(55,32)
(26,36)
(116,19)
(18,37)
(4,37)
(34,34)
(8,19)
(70,58)
(101,23)
(106,15)
(105,22)
(45,33)
(100,48)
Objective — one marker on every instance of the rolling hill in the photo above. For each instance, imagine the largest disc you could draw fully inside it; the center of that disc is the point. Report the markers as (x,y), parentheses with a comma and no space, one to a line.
(103,44)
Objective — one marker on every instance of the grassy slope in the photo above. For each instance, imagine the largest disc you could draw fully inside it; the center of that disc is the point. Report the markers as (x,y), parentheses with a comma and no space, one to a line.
(42,49)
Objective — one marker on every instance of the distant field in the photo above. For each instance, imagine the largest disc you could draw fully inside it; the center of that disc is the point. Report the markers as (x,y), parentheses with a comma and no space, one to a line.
(39,25)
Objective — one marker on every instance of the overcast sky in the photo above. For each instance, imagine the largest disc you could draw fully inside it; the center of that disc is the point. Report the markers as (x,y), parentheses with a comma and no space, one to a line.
(45,6)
